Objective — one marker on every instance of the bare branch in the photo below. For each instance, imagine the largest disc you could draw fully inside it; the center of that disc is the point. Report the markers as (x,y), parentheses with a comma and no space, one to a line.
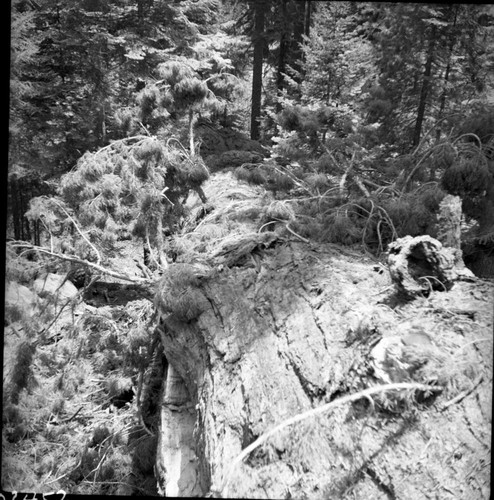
(79,231)
(463,394)
(305,240)
(73,258)
(361,186)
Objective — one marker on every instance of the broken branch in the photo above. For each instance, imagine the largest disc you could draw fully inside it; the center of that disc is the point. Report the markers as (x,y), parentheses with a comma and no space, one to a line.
(77,260)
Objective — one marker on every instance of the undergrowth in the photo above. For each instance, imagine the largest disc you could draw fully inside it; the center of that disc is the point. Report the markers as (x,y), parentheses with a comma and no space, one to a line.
(329,206)
(71,419)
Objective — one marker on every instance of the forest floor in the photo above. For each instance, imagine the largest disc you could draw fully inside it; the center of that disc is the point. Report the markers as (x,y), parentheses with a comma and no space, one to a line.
(83,424)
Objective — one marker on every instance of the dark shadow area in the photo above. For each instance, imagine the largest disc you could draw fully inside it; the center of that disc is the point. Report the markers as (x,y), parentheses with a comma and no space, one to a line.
(344,485)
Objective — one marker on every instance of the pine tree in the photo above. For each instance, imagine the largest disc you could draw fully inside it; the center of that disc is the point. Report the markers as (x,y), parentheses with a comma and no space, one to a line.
(132,187)
(23,85)
(427,53)
(258,39)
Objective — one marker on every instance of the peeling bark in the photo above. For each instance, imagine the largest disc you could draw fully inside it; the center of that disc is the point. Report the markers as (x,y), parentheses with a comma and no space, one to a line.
(177,466)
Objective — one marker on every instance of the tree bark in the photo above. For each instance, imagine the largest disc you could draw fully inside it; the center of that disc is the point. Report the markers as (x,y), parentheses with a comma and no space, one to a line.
(308,11)
(16,210)
(241,378)
(299,27)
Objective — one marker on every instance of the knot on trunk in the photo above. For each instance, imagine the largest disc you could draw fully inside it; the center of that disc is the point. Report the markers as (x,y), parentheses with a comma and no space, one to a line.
(178,293)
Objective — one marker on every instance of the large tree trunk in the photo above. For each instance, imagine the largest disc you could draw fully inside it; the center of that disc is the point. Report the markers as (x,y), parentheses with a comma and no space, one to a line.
(297,39)
(286,328)
(259,6)
(308,11)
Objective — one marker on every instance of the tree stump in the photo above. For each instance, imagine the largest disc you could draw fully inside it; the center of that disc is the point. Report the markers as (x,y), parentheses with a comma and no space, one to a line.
(449,221)
(422,264)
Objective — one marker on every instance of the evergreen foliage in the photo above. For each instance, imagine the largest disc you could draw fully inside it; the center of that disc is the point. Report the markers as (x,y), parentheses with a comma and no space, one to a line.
(371,113)
(357,100)
(179,293)
(467,177)
(134,186)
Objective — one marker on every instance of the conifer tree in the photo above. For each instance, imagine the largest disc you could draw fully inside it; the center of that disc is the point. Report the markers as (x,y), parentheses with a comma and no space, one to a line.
(258,58)
(422,50)
(132,187)
(184,91)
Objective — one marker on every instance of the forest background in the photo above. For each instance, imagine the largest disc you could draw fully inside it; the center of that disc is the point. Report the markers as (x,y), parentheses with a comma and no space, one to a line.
(391,96)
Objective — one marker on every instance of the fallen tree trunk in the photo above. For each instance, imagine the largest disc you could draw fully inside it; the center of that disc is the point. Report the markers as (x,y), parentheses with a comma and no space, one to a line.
(259,327)
(253,346)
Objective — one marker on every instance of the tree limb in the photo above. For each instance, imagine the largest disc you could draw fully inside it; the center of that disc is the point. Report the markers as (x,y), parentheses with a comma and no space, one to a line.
(345,175)
(73,258)
(79,231)
(305,240)
(463,394)
(361,186)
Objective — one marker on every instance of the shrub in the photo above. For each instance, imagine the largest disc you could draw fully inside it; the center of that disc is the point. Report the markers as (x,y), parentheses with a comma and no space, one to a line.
(277,210)
(22,374)
(341,228)
(252,174)
(279,181)
(148,99)
(467,177)
(325,164)
(317,182)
